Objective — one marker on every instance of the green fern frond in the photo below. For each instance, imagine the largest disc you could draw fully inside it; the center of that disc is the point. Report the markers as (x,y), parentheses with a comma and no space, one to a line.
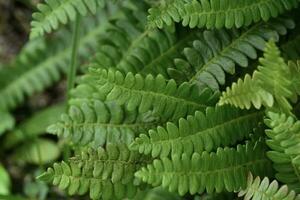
(284,134)
(38,69)
(217,13)
(52,13)
(295,74)
(37,151)
(99,123)
(33,126)
(104,173)
(7,122)
(134,49)
(264,190)
(220,126)
(218,51)
(149,93)
(225,170)
(269,84)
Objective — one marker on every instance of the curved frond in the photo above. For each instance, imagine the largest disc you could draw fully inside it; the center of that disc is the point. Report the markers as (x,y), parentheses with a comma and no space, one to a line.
(225,170)
(269,84)
(104,173)
(97,123)
(165,98)
(220,126)
(217,13)
(284,140)
(217,52)
(52,13)
(265,190)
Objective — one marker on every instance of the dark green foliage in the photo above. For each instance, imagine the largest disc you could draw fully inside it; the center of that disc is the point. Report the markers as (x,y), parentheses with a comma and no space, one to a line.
(145,119)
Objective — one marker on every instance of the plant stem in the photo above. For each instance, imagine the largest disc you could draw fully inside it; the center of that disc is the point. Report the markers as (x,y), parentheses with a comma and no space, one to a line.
(73,63)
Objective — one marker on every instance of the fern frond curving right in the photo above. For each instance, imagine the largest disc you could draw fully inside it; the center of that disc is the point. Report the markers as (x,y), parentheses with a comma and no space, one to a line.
(225,170)
(218,127)
(164,97)
(217,13)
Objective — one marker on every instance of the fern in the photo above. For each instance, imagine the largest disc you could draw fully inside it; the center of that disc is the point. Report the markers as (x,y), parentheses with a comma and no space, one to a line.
(40,65)
(37,151)
(284,140)
(149,93)
(224,170)
(52,13)
(269,84)
(32,127)
(7,122)
(217,13)
(105,173)
(220,126)
(98,123)
(264,190)
(218,51)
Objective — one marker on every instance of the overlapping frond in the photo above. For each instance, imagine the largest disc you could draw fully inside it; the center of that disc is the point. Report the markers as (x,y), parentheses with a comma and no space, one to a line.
(104,173)
(225,170)
(284,140)
(217,52)
(218,127)
(265,190)
(52,13)
(99,123)
(165,98)
(217,13)
(269,84)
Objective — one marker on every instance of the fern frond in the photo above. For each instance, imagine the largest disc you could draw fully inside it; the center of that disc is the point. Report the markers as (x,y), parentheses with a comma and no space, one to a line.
(217,13)
(220,126)
(33,126)
(43,65)
(164,97)
(104,173)
(218,52)
(7,122)
(284,134)
(52,13)
(295,80)
(264,190)
(129,47)
(269,84)
(226,169)
(97,123)
(37,151)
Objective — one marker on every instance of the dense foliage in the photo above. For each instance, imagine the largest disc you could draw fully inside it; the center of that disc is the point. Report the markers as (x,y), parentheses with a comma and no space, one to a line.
(173,99)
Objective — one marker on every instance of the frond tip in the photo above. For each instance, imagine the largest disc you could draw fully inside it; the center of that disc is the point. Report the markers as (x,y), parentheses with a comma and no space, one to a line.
(264,190)
(270,84)
(52,13)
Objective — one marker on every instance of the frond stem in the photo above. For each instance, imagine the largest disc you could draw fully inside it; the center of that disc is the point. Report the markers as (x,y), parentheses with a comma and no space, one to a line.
(73,62)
